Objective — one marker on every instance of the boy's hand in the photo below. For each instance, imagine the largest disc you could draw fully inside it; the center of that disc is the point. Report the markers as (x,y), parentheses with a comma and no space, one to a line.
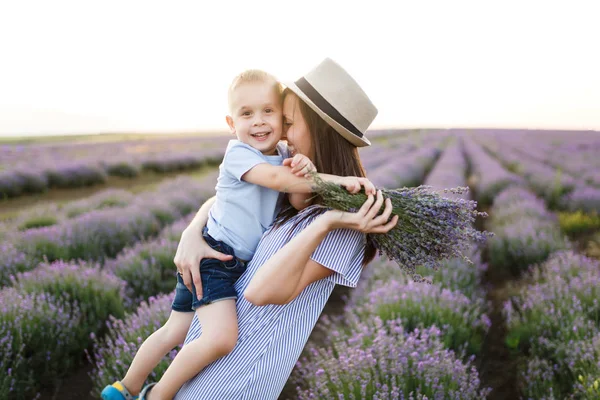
(300,164)
(353,184)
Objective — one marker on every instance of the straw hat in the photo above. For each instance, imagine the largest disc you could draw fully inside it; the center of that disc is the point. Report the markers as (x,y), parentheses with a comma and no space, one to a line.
(333,94)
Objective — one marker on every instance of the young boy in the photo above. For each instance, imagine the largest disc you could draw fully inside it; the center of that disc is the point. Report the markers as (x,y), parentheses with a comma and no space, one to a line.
(242,212)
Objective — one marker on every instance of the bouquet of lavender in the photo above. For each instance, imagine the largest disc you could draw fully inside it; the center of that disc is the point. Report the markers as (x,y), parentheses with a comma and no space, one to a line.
(430,227)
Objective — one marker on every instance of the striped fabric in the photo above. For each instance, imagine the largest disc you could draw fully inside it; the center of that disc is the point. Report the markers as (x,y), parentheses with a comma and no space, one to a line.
(272,337)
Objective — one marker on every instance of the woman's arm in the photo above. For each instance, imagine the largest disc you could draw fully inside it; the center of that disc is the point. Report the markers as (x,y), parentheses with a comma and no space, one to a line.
(300,200)
(192,248)
(289,271)
(276,281)
(201,217)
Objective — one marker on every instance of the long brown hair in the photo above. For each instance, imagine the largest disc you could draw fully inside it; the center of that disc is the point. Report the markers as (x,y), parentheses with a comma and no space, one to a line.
(332,155)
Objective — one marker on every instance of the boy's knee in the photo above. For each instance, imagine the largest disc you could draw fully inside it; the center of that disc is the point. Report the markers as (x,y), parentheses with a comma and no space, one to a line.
(224,344)
(173,335)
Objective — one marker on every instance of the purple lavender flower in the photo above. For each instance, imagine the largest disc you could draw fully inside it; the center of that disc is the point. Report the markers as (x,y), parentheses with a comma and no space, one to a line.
(147,268)
(462,320)
(583,197)
(526,232)
(98,293)
(381,361)
(113,354)
(12,261)
(38,339)
(430,227)
(562,304)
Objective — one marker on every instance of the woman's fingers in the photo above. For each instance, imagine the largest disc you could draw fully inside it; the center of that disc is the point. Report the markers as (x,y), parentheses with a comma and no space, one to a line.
(385,216)
(374,210)
(385,228)
(197,282)
(302,168)
(295,163)
(186,275)
(298,167)
(299,162)
(368,185)
(362,211)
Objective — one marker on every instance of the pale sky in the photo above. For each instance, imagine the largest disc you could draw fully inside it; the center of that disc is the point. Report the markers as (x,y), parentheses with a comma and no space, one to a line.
(90,66)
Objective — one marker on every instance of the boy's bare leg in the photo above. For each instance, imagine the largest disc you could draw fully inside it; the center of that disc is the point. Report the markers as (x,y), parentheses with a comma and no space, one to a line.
(159,344)
(219,336)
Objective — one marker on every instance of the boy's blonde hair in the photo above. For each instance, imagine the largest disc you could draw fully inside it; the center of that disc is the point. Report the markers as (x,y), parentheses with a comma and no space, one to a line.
(254,75)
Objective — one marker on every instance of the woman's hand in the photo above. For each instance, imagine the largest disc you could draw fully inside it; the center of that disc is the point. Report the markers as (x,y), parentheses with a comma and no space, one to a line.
(353,184)
(301,165)
(365,219)
(191,249)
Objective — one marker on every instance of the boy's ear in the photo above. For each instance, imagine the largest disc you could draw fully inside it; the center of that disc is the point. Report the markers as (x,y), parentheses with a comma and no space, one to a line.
(230,123)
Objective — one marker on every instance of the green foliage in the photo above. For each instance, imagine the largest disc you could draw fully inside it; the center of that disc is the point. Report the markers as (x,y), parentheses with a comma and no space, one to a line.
(38,222)
(578,222)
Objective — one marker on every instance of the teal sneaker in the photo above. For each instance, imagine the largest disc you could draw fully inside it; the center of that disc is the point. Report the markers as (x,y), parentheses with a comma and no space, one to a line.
(117,391)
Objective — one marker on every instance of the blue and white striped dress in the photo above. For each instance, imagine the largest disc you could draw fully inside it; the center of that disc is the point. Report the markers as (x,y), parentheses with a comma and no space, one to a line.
(271,338)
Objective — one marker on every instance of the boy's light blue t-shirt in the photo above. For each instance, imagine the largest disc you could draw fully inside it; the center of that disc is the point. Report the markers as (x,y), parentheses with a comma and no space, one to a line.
(243,211)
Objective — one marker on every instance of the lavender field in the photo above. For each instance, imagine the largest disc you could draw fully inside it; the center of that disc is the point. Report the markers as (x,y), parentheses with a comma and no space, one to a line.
(36,168)
(84,281)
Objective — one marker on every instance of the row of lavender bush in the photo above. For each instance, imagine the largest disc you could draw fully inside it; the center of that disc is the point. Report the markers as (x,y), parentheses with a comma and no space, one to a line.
(53,214)
(451,171)
(101,234)
(526,232)
(41,175)
(489,177)
(409,168)
(557,186)
(575,152)
(46,319)
(555,321)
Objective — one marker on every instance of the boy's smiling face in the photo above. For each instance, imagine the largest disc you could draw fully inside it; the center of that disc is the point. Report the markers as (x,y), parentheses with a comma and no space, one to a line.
(256,116)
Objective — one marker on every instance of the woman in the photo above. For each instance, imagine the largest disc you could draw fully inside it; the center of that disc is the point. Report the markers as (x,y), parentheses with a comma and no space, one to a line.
(303,256)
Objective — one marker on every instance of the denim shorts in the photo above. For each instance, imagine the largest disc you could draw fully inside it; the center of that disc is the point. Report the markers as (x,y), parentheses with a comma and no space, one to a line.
(218,279)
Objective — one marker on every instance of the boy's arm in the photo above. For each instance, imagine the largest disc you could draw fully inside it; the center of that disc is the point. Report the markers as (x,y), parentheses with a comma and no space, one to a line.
(282,179)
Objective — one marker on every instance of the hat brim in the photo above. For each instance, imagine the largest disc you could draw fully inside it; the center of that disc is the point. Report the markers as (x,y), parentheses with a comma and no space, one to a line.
(346,134)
